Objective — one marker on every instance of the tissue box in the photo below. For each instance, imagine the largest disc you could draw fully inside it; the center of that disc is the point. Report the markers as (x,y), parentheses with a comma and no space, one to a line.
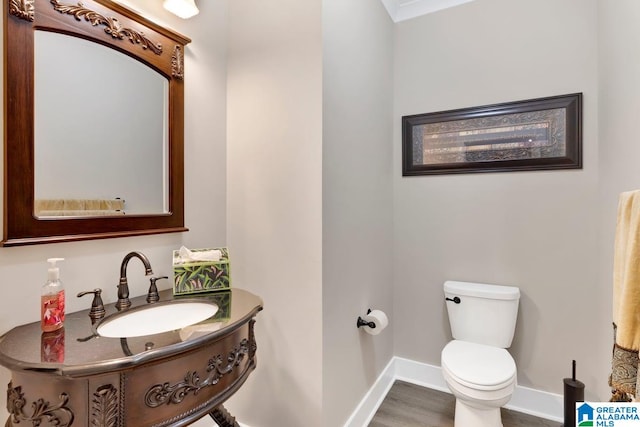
(201,276)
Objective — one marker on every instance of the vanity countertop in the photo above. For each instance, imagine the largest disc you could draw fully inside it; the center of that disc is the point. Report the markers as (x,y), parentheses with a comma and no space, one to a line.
(26,348)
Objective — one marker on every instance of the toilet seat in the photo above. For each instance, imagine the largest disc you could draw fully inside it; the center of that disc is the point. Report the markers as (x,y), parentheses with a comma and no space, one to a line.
(478,366)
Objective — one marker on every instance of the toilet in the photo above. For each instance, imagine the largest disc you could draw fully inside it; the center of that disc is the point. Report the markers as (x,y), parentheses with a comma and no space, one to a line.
(476,366)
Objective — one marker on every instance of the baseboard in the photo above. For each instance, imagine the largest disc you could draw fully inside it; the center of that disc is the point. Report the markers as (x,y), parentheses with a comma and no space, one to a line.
(526,400)
(374,397)
(541,404)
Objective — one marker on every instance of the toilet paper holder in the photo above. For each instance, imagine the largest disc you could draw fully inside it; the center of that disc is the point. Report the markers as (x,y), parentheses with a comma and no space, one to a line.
(362,322)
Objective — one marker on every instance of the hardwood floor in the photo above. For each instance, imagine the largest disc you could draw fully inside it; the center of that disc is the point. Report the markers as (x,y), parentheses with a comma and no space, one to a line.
(409,405)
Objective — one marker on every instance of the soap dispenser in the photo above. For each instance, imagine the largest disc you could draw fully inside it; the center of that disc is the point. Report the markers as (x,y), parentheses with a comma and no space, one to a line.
(52,300)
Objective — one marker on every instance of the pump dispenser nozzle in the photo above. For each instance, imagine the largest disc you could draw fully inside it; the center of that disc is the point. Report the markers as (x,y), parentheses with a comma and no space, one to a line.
(54,271)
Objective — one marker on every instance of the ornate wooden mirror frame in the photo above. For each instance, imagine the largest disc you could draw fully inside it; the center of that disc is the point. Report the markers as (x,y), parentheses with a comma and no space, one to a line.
(114,26)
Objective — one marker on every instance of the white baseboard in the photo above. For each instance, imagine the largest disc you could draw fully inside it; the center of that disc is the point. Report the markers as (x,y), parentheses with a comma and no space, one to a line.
(374,397)
(526,400)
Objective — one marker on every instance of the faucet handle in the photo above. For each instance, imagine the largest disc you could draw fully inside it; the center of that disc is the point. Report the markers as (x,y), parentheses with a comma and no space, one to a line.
(153,296)
(97,311)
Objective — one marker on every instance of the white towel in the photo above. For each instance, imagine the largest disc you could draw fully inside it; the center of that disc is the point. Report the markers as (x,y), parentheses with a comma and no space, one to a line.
(626,299)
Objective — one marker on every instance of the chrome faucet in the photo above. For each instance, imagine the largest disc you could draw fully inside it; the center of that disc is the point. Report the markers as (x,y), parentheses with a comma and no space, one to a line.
(123,286)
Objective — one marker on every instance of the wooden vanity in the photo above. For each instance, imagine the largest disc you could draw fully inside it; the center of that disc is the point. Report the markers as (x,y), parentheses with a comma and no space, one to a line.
(168,379)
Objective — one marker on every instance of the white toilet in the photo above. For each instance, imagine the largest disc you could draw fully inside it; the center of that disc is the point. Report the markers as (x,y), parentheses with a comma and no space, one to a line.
(478,370)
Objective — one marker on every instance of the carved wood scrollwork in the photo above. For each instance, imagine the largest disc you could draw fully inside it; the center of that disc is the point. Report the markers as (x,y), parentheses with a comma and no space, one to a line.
(59,415)
(113,27)
(177,63)
(23,9)
(161,394)
(253,346)
(121,409)
(104,407)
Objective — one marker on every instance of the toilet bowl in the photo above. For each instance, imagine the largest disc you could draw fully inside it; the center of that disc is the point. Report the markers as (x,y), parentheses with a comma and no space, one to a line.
(482,379)
(476,366)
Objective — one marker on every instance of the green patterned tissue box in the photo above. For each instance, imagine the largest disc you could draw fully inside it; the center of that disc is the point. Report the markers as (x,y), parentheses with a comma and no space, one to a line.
(191,277)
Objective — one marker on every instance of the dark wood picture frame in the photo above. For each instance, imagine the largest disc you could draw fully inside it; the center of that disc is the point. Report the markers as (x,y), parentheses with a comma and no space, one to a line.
(536,134)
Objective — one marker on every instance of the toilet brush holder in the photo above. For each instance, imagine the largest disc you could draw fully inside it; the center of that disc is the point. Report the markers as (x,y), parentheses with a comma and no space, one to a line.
(573,392)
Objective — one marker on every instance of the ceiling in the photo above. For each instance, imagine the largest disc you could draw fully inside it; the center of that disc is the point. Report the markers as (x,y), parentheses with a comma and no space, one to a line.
(401,10)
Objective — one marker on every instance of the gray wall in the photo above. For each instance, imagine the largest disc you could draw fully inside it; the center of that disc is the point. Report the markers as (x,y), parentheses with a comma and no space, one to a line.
(274,201)
(619,104)
(534,230)
(357,201)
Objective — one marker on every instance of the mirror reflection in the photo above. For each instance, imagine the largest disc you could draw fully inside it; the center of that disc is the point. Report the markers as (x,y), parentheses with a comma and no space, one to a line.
(101,131)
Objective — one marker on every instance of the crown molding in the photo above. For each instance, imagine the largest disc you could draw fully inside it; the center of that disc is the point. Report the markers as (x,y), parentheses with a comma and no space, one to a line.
(401,10)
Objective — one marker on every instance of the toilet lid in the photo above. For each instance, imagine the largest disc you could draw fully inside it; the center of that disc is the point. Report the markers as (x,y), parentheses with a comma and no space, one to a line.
(478,364)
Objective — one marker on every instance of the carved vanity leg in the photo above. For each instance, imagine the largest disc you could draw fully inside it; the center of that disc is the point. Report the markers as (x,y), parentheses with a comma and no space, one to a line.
(223,418)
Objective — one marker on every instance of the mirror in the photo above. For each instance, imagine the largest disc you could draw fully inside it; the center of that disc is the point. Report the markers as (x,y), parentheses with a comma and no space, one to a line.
(91,80)
(89,161)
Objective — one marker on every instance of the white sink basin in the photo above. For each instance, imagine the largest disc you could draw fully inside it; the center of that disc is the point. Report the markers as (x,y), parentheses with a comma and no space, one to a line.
(155,318)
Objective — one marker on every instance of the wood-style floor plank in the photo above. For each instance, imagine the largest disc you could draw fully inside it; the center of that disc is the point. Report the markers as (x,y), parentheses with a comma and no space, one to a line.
(409,405)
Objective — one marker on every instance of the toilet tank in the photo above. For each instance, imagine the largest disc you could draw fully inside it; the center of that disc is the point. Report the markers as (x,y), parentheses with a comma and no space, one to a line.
(486,314)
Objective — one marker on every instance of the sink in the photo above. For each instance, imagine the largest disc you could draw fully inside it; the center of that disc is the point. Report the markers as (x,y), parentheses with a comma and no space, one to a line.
(155,318)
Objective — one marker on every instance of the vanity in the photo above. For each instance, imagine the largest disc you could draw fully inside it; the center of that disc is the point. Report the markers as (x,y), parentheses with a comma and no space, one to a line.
(77,377)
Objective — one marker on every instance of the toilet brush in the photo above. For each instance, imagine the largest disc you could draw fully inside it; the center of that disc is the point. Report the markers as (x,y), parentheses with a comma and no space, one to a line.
(573,392)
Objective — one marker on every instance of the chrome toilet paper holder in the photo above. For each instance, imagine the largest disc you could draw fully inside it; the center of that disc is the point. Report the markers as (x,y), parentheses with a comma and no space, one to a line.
(362,322)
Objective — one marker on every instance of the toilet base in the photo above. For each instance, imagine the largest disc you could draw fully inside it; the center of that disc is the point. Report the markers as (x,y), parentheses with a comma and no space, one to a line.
(467,415)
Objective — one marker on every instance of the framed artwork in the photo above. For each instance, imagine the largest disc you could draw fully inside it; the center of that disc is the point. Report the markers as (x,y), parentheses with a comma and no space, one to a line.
(536,134)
